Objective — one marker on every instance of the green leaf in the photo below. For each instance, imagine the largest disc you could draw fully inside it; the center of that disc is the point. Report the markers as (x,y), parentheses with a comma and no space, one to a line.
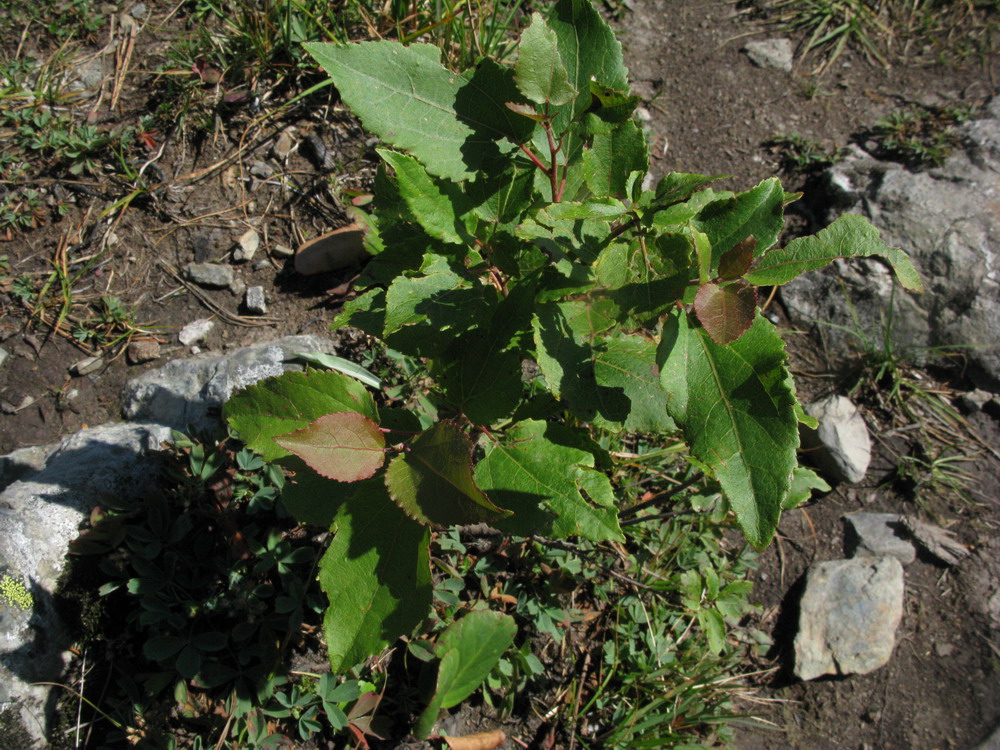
(483,382)
(308,497)
(804,481)
(477,642)
(564,334)
(279,405)
(161,647)
(366,312)
(443,303)
(628,363)
(758,211)
(677,187)
(612,157)
(645,277)
(714,628)
(504,192)
(538,472)
(344,446)
(726,312)
(539,71)
(589,50)
(376,573)
(405,96)
(432,480)
(333,362)
(850,236)
(736,410)
(594,208)
(435,205)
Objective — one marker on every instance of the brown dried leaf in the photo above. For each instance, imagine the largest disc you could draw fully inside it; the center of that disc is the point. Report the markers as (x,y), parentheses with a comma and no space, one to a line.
(480,741)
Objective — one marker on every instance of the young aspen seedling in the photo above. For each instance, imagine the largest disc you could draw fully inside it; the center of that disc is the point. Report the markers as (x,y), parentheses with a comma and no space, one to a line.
(511,226)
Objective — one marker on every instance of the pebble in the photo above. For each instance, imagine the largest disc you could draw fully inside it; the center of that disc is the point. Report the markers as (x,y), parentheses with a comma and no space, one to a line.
(87,365)
(281,251)
(247,246)
(262,170)
(4,356)
(284,144)
(210,274)
(255,302)
(142,351)
(195,331)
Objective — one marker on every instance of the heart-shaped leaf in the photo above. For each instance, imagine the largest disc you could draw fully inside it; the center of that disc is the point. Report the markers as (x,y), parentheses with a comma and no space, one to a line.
(726,312)
(345,446)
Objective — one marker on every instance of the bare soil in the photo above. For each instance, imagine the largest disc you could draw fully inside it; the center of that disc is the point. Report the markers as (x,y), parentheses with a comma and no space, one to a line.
(712,111)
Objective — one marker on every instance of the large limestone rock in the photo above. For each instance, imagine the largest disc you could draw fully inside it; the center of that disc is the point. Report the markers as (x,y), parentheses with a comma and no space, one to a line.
(187,394)
(948,220)
(40,513)
(848,616)
(47,492)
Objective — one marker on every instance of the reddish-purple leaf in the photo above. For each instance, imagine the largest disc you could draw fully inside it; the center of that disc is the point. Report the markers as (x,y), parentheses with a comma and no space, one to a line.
(726,312)
(344,446)
(736,260)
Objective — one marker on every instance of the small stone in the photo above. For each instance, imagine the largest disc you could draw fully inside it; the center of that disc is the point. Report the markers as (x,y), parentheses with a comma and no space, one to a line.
(841,446)
(973,401)
(139,11)
(284,144)
(944,649)
(262,265)
(87,366)
(771,53)
(195,331)
(142,351)
(247,246)
(211,275)
(262,170)
(4,356)
(848,616)
(255,302)
(238,287)
(879,534)
(281,251)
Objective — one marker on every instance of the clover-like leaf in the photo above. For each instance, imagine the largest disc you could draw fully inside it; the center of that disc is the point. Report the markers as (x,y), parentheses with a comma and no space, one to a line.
(344,446)
(726,312)
(432,480)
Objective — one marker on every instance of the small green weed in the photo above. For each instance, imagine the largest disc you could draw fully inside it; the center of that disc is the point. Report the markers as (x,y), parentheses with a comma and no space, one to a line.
(940,473)
(801,155)
(833,25)
(61,20)
(920,136)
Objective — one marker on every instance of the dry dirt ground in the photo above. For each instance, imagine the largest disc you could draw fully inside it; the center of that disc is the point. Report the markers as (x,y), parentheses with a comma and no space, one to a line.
(712,112)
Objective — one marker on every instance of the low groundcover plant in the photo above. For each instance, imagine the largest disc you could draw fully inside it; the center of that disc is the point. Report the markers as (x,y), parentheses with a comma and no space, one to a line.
(517,253)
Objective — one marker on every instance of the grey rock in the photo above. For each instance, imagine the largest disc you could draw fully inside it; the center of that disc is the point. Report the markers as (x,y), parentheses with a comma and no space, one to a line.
(848,616)
(247,246)
(88,75)
(87,366)
(841,446)
(262,170)
(39,515)
(255,302)
(879,535)
(936,541)
(195,331)
(992,742)
(975,400)
(4,356)
(946,220)
(211,275)
(139,11)
(771,53)
(183,393)
(139,352)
